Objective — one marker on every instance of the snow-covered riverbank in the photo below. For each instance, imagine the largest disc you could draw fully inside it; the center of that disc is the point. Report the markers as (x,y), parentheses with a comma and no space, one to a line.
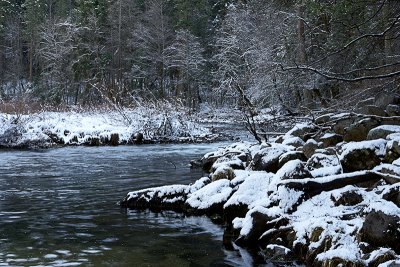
(326,193)
(47,129)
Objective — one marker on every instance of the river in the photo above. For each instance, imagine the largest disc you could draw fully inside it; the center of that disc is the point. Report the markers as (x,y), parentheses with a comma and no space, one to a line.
(58,207)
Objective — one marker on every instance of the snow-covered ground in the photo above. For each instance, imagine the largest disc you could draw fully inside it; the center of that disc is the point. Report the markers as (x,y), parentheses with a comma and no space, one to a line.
(81,127)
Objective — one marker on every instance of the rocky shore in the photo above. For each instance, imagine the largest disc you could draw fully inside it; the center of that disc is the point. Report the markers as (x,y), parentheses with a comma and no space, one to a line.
(327,193)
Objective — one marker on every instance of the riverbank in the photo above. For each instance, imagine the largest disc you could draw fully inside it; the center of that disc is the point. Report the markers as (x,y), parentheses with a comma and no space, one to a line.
(141,125)
(325,193)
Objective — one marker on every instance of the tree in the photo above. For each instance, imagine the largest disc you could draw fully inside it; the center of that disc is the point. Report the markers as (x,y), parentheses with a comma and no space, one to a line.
(186,64)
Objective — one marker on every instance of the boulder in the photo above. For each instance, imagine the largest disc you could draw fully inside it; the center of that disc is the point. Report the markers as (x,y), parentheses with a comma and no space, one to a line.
(275,252)
(223,172)
(320,160)
(384,99)
(348,198)
(294,169)
(342,122)
(393,110)
(382,131)
(360,159)
(331,139)
(358,131)
(94,141)
(380,229)
(301,130)
(372,110)
(309,147)
(293,141)
(291,155)
(267,159)
(10,137)
(323,118)
(392,151)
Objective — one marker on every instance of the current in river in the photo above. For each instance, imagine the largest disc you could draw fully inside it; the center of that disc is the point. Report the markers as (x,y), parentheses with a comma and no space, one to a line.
(58,207)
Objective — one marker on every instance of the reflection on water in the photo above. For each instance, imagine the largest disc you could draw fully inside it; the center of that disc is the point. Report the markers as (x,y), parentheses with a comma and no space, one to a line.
(58,208)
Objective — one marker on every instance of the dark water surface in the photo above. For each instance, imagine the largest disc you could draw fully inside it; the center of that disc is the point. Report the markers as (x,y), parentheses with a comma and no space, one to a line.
(58,208)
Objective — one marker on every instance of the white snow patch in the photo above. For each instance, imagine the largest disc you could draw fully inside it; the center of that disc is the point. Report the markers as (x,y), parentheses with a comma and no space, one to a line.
(213,193)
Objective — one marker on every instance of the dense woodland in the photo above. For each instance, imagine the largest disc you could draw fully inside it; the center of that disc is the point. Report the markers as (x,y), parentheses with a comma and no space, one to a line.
(252,53)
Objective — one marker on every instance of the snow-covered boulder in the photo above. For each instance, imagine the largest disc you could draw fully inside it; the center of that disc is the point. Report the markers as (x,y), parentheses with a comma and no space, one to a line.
(364,155)
(291,155)
(267,159)
(359,130)
(331,139)
(381,229)
(309,147)
(382,131)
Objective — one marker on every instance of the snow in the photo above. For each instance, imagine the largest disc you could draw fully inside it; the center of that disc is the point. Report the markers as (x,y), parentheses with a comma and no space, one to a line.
(323,159)
(289,169)
(389,128)
(252,191)
(327,135)
(214,193)
(327,171)
(378,145)
(73,126)
(396,162)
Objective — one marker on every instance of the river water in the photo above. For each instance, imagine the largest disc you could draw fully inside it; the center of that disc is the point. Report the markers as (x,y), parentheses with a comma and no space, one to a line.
(58,207)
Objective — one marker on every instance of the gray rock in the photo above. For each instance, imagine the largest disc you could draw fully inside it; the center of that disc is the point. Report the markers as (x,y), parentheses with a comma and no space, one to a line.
(267,159)
(382,131)
(291,155)
(380,229)
(360,159)
(392,151)
(323,118)
(331,139)
(320,160)
(294,170)
(384,99)
(372,110)
(309,147)
(10,137)
(393,110)
(358,131)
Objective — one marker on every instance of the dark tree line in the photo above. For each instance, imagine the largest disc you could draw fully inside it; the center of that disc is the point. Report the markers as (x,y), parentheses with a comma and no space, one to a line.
(250,53)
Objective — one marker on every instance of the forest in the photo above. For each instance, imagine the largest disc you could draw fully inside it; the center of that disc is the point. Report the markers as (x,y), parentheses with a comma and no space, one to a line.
(249,54)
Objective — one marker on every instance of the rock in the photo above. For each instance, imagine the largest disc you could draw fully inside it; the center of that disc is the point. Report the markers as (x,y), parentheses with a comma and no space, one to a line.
(67,132)
(293,141)
(358,131)
(259,226)
(382,131)
(10,136)
(138,138)
(309,147)
(388,169)
(301,130)
(382,230)
(278,253)
(223,172)
(342,122)
(294,169)
(393,110)
(94,141)
(323,118)
(267,159)
(348,198)
(392,151)
(114,139)
(372,110)
(392,194)
(384,99)
(330,139)
(291,155)
(320,160)
(360,159)
(377,257)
